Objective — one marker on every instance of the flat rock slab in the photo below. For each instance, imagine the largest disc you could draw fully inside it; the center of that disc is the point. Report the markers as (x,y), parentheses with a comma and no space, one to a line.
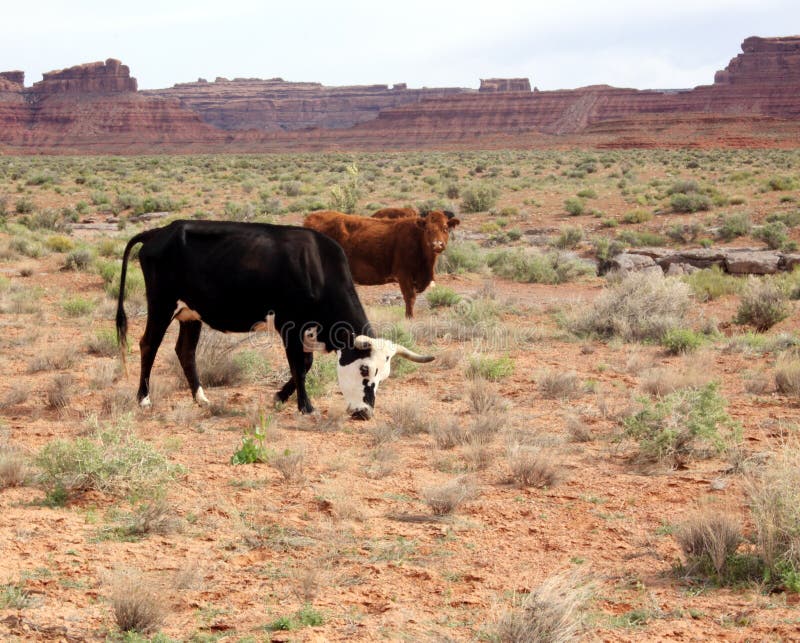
(763,262)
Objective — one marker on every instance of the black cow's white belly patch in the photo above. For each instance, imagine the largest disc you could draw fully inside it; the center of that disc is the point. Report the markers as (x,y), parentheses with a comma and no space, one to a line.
(184,313)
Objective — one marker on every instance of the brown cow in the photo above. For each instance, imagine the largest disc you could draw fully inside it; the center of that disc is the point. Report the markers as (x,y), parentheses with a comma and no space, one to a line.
(395,213)
(381,251)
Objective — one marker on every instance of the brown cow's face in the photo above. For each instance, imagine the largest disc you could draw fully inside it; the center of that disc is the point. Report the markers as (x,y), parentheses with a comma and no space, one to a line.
(437,229)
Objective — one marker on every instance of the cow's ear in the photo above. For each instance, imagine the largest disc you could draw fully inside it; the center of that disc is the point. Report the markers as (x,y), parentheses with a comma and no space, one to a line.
(452,223)
(421,222)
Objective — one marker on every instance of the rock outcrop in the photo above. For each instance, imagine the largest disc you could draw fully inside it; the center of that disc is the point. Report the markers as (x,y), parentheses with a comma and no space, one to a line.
(275,105)
(736,261)
(110,76)
(505,85)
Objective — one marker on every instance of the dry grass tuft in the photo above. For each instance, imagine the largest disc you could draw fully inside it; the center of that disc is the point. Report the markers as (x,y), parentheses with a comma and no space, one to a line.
(305,582)
(156,517)
(559,386)
(56,361)
(578,430)
(138,606)
(532,466)
(445,499)
(58,392)
(552,613)
(448,435)
(408,417)
(709,537)
(13,468)
(663,381)
(18,394)
(290,465)
(787,376)
(483,397)
(382,462)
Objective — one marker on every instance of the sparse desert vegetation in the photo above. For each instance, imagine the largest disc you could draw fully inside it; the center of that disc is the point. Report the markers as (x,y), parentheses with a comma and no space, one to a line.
(610,457)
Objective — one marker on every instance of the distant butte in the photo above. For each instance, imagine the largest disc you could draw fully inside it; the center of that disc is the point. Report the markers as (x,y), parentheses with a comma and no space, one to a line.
(96,107)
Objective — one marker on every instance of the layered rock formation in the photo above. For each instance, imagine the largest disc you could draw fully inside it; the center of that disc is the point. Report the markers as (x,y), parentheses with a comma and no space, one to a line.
(275,105)
(93,78)
(754,101)
(505,85)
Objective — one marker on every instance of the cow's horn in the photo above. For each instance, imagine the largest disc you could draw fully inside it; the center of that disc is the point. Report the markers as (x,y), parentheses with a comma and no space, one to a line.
(402,351)
(362,342)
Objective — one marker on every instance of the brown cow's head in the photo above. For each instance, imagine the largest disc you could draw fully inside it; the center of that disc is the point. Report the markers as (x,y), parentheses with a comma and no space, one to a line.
(437,226)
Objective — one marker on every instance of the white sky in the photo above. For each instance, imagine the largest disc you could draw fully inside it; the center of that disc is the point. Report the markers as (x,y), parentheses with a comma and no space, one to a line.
(555,43)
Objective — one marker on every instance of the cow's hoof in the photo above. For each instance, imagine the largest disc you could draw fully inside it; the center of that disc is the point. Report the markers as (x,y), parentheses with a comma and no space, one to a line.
(200,397)
(145,402)
(306,409)
(361,414)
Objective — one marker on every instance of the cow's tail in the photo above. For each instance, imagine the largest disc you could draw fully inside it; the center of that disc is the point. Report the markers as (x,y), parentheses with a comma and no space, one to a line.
(122,319)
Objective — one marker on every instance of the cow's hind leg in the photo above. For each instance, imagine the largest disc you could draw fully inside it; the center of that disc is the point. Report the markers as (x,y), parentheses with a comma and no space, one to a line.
(186,349)
(409,296)
(287,389)
(158,320)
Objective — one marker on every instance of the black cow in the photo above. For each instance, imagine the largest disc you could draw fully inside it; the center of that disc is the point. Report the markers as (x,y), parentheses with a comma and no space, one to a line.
(238,277)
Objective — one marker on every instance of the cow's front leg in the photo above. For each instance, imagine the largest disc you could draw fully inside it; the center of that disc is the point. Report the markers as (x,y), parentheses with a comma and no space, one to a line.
(299,364)
(409,296)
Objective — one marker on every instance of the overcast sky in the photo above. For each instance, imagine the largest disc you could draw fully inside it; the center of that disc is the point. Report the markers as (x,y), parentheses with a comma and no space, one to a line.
(557,44)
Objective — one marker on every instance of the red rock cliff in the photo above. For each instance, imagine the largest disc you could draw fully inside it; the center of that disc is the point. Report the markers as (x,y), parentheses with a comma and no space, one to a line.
(92,78)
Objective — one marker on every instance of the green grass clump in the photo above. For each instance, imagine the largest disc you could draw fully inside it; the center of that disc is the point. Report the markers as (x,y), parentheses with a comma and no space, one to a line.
(442,297)
(460,258)
(306,616)
(574,206)
(493,369)
(77,306)
(735,225)
(111,460)
(682,340)
(712,283)
(686,424)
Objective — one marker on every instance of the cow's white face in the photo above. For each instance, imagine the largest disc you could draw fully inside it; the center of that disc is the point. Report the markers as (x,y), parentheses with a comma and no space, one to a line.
(362,368)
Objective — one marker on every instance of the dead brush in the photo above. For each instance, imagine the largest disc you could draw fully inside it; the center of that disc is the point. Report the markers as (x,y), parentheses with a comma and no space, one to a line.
(708,540)
(408,418)
(552,613)
(448,359)
(448,434)
(787,376)
(57,394)
(15,396)
(305,582)
(532,466)
(663,381)
(382,434)
(156,517)
(382,462)
(578,430)
(559,386)
(13,468)
(138,605)
(484,398)
(56,361)
(290,465)
(446,498)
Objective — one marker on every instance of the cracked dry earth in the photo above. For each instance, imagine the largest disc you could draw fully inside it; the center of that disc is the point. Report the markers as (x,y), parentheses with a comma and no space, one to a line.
(352,535)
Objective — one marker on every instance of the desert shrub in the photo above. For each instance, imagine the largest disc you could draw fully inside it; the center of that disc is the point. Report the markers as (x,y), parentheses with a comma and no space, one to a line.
(409,418)
(289,464)
(559,385)
(663,381)
(111,460)
(532,467)
(58,392)
(80,259)
(780,183)
(138,606)
(574,206)
(110,274)
(685,232)
(103,343)
(461,257)
(712,283)
(637,216)
(789,219)
(763,304)
(774,500)
(681,340)
(787,376)
(483,398)
(445,499)
(24,205)
(709,541)
(687,424)
(692,202)
(13,467)
(442,296)
(216,360)
(155,516)
(641,238)
(344,197)
(684,186)
(640,307)
(59,243)
(490,368)
(774,234)
(155,203)
(478,197)
(546,268)
(734,225)
(77,306)
(552,613)
(568,237)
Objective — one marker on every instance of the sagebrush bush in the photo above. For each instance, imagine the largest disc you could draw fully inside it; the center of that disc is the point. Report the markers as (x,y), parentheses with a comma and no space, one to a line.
(763,304)
(734,225)
(533,467)
(138,606)
(479,197)
(461,257)
(639,307)
(111,460)
(687,424)
(682,340)
(442,296)
(493,369)
(559,384)
(540,268)
(574,206)
(444,499)
(787,376)
(774,234)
